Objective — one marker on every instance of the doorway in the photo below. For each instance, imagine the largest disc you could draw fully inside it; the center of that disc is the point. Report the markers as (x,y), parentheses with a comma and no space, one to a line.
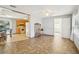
(37,29)
(20,26)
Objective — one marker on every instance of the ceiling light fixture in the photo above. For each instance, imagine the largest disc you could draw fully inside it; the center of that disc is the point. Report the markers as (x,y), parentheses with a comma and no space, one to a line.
(47,14)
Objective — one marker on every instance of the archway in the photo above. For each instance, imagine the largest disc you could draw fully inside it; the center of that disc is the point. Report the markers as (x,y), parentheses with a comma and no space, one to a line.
(37,29)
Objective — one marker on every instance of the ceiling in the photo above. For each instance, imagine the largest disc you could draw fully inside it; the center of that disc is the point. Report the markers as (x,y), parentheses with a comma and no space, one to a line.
(41,10)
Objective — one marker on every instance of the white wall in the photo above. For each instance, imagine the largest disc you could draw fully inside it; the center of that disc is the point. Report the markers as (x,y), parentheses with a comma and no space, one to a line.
(74,17)
(34,20)
(66,27)
(75,30)
(13,26)
(48,25)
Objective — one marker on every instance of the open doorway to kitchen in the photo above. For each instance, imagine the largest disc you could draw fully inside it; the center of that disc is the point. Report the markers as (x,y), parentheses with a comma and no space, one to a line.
(17,19)
(8,29)
(20,26)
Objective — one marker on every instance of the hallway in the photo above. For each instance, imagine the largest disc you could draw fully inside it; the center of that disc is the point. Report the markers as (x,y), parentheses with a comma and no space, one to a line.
(40,45)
